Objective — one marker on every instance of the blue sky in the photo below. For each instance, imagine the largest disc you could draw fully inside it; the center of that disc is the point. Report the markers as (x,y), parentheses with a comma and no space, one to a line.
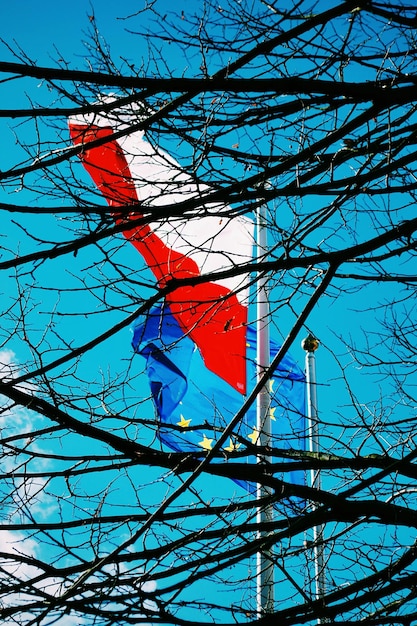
(47,28)
(48,31)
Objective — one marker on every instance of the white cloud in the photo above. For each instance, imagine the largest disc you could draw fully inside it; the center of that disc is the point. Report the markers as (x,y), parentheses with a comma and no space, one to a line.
(29,494)
(19,495)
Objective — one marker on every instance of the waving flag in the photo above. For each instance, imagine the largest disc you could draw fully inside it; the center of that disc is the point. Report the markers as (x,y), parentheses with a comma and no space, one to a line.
(131,170)
(194,405)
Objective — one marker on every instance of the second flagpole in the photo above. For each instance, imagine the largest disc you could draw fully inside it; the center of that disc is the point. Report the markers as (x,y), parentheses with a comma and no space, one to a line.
(310,345)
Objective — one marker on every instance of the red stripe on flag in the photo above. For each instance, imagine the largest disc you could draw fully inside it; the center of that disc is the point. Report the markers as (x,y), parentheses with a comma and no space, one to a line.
(208,312)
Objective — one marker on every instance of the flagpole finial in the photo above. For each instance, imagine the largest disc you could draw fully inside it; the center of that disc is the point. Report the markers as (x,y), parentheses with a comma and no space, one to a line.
(310,343)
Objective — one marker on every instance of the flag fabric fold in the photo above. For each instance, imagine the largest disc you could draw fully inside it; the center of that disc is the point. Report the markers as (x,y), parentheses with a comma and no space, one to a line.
(131,170)
(194,405)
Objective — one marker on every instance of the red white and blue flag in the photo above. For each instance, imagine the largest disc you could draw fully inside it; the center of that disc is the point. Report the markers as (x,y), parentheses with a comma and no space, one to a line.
(130,170)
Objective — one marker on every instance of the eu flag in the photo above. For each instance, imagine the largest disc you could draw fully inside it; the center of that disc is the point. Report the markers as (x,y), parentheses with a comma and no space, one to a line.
(194,405)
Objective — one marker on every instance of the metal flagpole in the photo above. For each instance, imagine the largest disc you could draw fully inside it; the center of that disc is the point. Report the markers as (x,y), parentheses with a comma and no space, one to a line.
(310,345)
(264,565)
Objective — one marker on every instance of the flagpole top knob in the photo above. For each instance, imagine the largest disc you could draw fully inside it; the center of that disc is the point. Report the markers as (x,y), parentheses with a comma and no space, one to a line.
(310,343)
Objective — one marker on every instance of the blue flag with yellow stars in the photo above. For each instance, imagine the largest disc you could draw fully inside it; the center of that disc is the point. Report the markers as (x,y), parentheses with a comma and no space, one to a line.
(194,405)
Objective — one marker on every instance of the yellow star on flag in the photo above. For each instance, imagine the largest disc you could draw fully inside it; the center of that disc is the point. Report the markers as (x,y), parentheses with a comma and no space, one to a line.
(183,422)
(271,384)
(254,435)
(206,443)
(233,446)
(272,413)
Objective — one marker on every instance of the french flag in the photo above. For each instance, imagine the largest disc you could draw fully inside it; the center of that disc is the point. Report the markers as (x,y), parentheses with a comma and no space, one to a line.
(132,170)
